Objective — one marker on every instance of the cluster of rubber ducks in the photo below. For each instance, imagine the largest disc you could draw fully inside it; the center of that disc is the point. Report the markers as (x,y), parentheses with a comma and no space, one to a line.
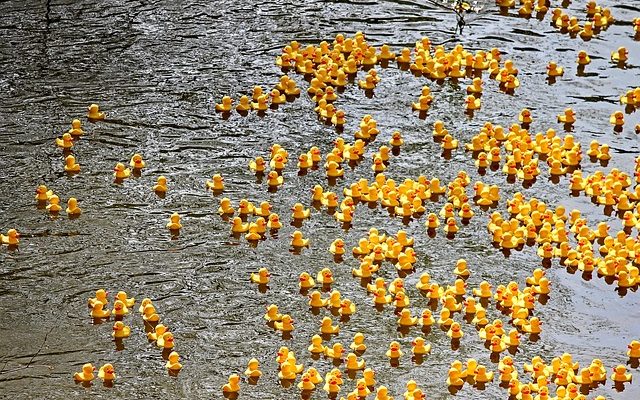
(158,333)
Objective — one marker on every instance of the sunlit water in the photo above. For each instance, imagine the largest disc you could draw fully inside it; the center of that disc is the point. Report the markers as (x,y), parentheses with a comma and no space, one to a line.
(156,68)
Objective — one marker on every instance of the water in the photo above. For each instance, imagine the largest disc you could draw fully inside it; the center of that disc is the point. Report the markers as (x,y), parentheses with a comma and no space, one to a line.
(156,68)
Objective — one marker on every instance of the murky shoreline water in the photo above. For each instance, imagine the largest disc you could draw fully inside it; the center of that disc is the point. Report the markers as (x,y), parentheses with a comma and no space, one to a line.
(156,69)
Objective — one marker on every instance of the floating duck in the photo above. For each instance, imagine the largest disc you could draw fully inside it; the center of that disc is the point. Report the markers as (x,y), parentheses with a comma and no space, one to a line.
(98,311)
(173,362)
(299,212)
(86,375)
(233,385)
(225,105)
(94,113)
(262,277)
(137,163)
(107,373)
(66,142)
(336,351)
(174,222)
(353,364)
(554,70)
(161,185)
(274,222)
(216,183)
(12,238)
(120,172)
(634,349)
(583,58)
(394,351)
(620,374)
(327,327)
(128,301)
(620,55)
(261,103)
(472,103)
(119,308)
(120,330)
(158,331)
(455,331)
(70,164)
(569,116)
(272,313)
(617,119)
(149,313)
(54,204)
(165,341)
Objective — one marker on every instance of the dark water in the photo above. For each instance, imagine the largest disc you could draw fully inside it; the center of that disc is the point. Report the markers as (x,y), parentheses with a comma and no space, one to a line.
(156,68)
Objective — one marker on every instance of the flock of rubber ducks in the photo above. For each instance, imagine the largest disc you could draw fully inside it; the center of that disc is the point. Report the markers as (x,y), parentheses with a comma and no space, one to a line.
(328,68)
(156,333)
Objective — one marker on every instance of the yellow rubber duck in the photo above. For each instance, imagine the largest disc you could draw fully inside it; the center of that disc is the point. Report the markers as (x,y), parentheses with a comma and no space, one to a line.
(70,164)
(583,58)
(86,375)
(297,240)
(299,212)
(620,55)
(66,142)
(166,341)
(72,207)
(119,308)
(174,222)
(76,128)
(225,105)
(107,373)
(568,117)
(394,351)
(617,119)
(471,103)
(120,330)
(54,204)
(336,351)
(121,172)
(98,311)
(161,185)
(554,70)
(620,374)
(274,179)
(173,362)
(137,163)
(42,193)
(233,385)
(325,276)
(261,277)
(94,113)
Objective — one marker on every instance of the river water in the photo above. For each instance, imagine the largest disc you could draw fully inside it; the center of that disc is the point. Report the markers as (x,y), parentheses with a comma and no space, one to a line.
(156,68)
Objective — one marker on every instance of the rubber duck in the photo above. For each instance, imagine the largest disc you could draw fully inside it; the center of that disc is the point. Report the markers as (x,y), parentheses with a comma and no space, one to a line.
(120,330)
(216,183)
(353,364)
(449,143)
(120,172)
(299,212)
(158,331)
(396,139)
(173,364)
(86,375)
(261,277)
(394,351)
(120,307)
(455,331)
(583,58)
(54,204)
(107,373)
(149,313)
(94,113)
(617,119)
(285,324)
(472,103)
(316,346)
(620,374)
(325,276)
(165,341)
(174,222)
(98,311)
(634,349)
(327,327)
(233,384)
(146,301)
(336,351)
(66,142)
(553,70)
(620,55)
(274,222)
(406,319)
(225,207)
